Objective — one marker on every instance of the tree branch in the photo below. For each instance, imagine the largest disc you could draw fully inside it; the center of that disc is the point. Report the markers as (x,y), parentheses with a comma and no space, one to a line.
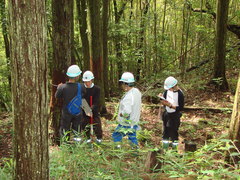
(205,11)
(235,29)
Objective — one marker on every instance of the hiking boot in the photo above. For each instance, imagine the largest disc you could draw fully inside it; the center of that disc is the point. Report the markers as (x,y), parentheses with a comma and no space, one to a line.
(88,141)
(118,146)
(165,144)
(98,141)
(175,145)
(77,139)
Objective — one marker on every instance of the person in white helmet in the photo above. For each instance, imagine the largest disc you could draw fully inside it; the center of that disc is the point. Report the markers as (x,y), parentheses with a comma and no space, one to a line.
(67,92)
(129,111)
(173,101)
(92,97)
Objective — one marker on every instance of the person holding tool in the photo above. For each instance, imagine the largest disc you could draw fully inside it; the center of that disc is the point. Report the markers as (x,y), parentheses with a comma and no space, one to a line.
(173,100)
(93,99)
(129,111)
(71,92)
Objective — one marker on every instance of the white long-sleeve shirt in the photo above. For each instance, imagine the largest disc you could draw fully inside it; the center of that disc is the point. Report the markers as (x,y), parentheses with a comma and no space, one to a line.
(130,104)
(176,98)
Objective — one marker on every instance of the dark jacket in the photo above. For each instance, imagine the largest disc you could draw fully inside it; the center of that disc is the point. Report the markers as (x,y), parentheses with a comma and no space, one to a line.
(95,93)
(68,91)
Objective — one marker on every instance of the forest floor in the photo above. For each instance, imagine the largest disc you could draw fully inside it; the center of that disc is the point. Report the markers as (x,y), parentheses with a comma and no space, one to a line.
(197,126)
(210,120)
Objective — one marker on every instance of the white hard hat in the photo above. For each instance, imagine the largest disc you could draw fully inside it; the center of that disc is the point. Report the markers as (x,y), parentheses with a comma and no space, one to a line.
(87,76)
(127,77)
(170,82)
(73,71)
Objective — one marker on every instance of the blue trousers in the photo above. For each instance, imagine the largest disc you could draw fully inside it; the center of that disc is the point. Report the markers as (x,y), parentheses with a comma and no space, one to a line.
(122,131)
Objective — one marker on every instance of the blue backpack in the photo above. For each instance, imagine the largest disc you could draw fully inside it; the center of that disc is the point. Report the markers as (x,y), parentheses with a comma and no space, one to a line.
(74,106)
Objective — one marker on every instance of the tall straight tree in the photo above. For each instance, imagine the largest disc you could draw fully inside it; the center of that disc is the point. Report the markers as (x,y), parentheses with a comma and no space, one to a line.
(62,32)
(117,39)
(220,50)
(96,47)
(105,4)
(183,40)
(82,17)
(29,88)
(142,38)
(155,41)
(234,129)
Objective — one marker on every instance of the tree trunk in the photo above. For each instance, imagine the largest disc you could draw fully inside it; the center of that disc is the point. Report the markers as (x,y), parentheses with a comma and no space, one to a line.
(62,53)
(141,39)
(163,34)
(186,44)
(234,129)
(182,57)
(5,35)
(82,17)
(117,39)
(155,59)
(72,42)
(219,77)
(105,46)
(28,34)
(96,48)
(163,21)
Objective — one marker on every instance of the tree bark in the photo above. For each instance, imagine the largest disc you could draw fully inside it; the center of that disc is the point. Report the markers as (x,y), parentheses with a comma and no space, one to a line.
(96,48)
(62,12)
(234,129)
(186,44)
(117,39)
(105,46)
(28,34)
(82,17)
(141,39)
(163,33)
(220,51)
(152,164)
(155,42)
(183,53)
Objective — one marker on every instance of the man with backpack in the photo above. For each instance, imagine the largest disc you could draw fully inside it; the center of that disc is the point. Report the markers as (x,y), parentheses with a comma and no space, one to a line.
(93,122)
(71,92)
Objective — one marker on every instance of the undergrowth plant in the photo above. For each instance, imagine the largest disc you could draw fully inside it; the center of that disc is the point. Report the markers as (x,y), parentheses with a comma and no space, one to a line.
(81,161)
(6,170)
(105,161)
(207,162)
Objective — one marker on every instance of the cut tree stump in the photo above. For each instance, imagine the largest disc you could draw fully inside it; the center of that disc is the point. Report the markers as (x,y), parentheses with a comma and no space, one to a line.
(151,163)
(190,146)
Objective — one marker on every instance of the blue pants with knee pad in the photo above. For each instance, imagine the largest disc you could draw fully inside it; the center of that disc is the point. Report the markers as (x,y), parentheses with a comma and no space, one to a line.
(122,131)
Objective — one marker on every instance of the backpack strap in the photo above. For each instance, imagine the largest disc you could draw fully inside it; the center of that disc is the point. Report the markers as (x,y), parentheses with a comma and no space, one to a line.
(79,90)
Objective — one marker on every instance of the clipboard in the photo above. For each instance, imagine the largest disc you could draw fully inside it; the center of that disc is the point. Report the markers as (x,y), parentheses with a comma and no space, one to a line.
(87,109)
(162,98)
